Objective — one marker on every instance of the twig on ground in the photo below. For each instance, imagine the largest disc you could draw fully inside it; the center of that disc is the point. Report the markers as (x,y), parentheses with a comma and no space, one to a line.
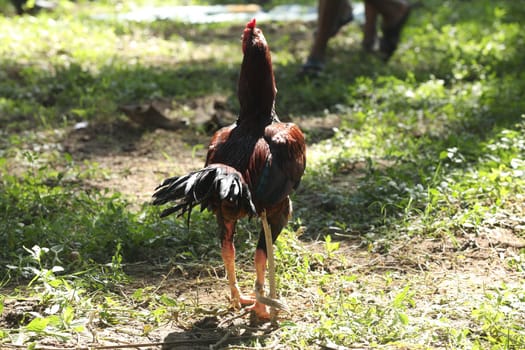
(340,347)
(230,319)
(164,278)
(222,340)
(138,345)
(272,346)
(376,260)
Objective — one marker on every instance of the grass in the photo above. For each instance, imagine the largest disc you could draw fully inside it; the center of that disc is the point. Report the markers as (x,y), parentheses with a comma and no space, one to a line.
(408,228)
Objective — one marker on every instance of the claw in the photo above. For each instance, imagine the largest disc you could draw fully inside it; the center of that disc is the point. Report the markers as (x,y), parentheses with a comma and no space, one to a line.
(238,300)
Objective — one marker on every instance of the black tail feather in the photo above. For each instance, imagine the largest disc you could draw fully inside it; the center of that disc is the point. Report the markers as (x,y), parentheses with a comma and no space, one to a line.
(172,210)
(205,187)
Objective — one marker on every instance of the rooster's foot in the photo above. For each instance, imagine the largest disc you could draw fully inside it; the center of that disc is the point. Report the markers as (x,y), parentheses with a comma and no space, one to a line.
(238,301)
(261,311)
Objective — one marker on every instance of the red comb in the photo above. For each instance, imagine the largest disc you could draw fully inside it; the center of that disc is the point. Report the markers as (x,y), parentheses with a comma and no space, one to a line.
(251,24)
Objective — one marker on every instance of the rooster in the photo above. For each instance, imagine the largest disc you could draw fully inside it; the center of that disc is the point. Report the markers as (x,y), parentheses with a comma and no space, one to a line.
(251,168)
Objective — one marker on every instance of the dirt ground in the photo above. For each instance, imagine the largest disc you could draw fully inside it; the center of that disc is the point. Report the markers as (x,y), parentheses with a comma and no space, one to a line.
(135,162)
(447,276)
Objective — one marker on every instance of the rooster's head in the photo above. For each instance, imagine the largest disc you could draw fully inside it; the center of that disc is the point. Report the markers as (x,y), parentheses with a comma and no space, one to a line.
(253,37)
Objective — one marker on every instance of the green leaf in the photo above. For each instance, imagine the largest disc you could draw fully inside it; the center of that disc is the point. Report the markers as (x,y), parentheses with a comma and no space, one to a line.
(403,318)
(79,328)
(54,321)
(400,298)
(68,314)
(68,157)
(38,324)
(56,282)
(166,300)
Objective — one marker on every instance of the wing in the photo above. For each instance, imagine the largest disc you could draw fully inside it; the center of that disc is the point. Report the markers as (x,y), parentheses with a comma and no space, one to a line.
(284,155)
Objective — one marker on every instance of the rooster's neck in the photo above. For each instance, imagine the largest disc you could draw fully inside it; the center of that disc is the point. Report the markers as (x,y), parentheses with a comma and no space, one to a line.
(256,88)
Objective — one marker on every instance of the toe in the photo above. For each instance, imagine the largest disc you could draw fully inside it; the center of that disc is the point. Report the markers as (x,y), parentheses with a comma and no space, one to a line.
(246,299)
(261,311)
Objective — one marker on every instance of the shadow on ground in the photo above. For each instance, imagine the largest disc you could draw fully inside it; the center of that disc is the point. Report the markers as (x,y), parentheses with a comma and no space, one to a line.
(212,332)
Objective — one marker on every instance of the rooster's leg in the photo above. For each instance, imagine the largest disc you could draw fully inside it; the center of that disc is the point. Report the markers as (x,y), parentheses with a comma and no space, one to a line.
(228,257)
(260,269)
(277,218)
